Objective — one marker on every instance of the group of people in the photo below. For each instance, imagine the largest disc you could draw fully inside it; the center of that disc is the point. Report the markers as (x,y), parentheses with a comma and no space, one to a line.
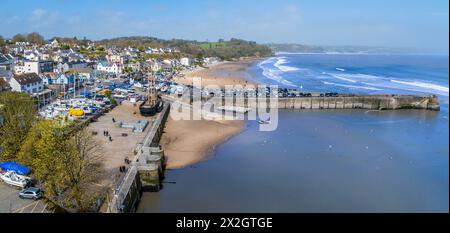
(127,161)
(106,134)
(122,169)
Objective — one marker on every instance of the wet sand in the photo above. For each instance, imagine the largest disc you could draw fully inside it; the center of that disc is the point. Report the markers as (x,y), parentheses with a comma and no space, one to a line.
(187,142)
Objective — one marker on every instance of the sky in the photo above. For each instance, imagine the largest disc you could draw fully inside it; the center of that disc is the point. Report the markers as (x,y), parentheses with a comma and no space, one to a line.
(384,23)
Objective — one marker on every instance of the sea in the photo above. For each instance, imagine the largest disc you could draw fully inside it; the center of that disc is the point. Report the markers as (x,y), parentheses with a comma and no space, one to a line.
(329,161)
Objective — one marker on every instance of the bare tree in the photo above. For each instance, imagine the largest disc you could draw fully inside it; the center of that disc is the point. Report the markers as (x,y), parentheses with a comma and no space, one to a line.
(84,169)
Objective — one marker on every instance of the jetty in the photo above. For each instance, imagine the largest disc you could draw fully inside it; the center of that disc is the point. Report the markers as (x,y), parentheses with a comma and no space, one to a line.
(340,101)
(146,169)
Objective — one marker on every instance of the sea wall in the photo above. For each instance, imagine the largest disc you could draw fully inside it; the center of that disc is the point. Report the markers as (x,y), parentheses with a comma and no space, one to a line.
(379,102)
(146,169)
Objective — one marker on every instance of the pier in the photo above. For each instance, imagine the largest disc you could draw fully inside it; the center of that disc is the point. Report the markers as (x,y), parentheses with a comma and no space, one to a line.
(146,169)
(342,101)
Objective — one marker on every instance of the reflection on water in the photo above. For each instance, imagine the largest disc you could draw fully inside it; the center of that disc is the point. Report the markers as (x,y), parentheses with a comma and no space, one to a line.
(320,161)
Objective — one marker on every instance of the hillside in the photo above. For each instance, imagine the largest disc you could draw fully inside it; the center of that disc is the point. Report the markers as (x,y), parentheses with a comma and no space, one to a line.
(232,49)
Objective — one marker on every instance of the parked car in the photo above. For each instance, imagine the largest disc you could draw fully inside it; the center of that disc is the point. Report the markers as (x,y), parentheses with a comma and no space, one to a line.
(31,193)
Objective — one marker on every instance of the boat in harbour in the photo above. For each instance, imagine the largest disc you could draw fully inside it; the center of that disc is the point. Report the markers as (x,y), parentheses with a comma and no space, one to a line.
(264,122)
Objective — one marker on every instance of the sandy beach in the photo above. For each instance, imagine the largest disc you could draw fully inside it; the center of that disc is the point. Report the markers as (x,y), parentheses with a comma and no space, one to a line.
(187,142)
(220,74)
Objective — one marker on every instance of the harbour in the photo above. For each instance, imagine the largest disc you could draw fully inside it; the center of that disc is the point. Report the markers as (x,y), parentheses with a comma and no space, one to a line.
(146,172)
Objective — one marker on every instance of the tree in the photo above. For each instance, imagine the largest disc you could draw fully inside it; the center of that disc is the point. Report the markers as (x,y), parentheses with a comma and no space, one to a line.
(35,38)
(84,168)
(42,151)
(2,41)
(67,162)
(19,113)
(18,38)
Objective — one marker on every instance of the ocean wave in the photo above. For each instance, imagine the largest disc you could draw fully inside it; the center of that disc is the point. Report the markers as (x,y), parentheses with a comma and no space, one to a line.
(423,85)
(340,69)
(274,74)
(387,82)
(279,64)
(411,86)
(342,78)
(352,86)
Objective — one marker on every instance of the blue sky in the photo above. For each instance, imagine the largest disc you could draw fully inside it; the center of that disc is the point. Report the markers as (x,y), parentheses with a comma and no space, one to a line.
(397,23)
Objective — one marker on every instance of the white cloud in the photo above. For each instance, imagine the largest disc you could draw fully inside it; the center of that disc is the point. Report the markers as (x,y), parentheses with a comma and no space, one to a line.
(38,13)
(40,18)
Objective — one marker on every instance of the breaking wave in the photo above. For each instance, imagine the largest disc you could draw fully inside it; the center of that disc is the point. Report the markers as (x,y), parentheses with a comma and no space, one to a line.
(275,74)
(430,86)
(352,86)
(279,64)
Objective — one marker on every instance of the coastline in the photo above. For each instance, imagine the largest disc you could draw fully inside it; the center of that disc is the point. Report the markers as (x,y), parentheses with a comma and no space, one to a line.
(221,73)
(187,142)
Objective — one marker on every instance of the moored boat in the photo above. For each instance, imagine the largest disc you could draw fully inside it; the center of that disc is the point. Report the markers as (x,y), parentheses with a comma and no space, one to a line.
(12,178)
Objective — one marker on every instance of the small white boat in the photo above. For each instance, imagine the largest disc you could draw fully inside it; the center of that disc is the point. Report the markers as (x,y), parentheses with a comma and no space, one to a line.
(264,122)
(11,178)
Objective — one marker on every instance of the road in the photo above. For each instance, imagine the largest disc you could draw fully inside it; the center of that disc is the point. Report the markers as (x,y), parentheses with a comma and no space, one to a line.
(11,203)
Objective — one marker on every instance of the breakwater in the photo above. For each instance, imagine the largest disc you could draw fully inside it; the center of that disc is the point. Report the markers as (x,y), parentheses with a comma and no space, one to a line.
(146,169)
(373,102)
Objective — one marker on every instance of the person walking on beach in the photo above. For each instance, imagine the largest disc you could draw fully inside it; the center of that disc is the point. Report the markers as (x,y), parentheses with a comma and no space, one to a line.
(113,120)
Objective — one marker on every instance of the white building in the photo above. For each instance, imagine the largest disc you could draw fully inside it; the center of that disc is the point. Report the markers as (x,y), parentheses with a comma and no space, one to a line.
(37,67)
(54,44)
(28,83)
(32,55)
(108,67)
(185,61)
(211,60)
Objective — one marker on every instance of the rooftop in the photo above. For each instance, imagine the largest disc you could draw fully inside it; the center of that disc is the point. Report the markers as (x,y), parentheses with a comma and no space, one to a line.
(28,78)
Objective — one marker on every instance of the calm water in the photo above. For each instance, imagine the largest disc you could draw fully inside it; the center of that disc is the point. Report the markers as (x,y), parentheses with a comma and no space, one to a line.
(329,161)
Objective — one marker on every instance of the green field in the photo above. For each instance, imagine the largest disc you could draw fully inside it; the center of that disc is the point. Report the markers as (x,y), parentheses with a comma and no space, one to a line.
(211,45)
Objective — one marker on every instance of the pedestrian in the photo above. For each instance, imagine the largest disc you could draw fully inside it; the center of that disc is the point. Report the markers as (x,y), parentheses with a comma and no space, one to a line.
(114,120)
(110,139)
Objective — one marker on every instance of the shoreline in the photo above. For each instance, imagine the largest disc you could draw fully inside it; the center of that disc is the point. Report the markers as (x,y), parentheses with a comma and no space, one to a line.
(203,136)
(221,73)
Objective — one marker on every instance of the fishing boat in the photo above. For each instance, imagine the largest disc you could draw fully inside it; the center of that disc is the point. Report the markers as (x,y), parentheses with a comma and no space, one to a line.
(12,178)
(153,103)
